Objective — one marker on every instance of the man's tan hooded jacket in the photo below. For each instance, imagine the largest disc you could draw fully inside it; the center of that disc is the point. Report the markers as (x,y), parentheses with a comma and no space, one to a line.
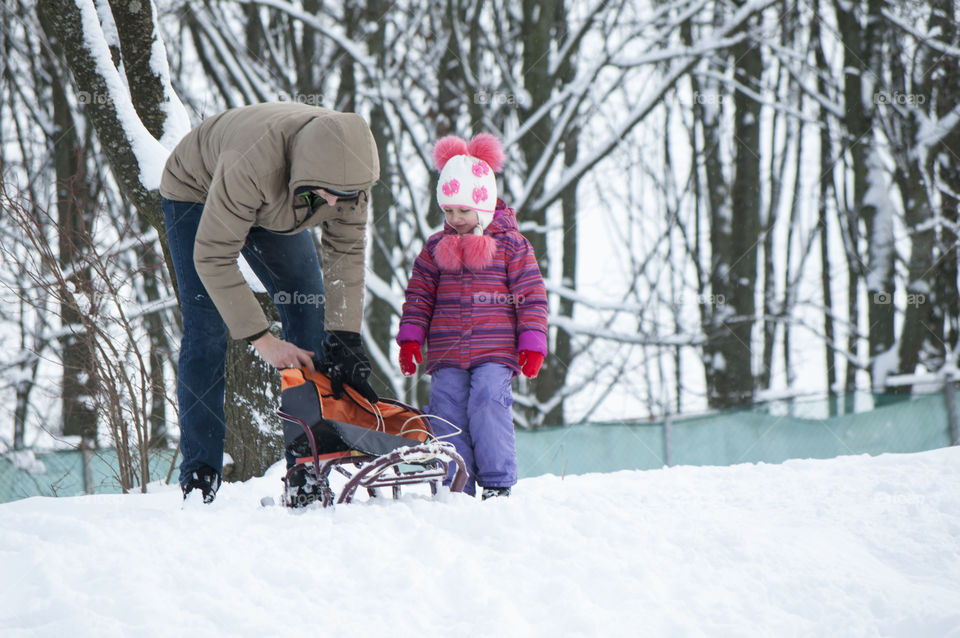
(245,165)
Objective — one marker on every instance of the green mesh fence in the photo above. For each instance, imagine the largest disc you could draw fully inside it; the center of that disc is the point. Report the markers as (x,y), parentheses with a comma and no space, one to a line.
(770,433)
(63,473)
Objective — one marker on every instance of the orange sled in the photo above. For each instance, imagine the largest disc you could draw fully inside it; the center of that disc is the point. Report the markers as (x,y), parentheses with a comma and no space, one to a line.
(387,444)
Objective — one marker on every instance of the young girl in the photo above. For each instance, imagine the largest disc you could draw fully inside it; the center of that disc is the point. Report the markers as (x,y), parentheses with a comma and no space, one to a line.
(476,296)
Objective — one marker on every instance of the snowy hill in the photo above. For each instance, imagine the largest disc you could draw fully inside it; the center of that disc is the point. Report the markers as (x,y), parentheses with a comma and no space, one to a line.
(855,546)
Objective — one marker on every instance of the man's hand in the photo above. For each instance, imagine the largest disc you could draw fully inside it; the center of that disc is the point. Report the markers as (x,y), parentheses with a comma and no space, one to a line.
(282,354)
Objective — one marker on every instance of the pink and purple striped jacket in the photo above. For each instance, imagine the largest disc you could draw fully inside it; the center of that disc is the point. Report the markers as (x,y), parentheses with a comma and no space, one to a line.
(476,299)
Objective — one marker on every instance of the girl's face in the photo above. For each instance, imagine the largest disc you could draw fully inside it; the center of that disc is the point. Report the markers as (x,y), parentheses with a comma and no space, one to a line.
(463,220)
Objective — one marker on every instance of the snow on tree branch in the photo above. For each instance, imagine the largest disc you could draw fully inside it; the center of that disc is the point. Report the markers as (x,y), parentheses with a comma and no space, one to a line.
(149,153)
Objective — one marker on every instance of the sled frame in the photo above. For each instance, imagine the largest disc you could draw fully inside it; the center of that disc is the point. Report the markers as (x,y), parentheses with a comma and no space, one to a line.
(431,463)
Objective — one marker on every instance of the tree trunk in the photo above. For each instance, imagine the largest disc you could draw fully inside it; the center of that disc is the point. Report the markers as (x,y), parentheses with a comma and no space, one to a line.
(347,91)
(929,332)
(539,20)
(254,435)
(379,314)
(309,71)
(861,70)
(735,258)
(74,218)
(159,343)
(136,31)
(66,26)
(708,101)
(555,376)
(911,176)
(771,312)
(945,300)
(825,186)
(135,28)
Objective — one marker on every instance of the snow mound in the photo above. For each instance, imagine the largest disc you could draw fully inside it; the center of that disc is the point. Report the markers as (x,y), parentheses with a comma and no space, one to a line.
(854,546)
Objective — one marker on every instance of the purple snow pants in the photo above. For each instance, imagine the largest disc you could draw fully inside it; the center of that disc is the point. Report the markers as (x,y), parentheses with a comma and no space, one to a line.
(478,401)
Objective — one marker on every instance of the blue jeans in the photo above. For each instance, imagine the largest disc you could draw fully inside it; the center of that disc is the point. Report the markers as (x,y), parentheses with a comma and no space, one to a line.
(478,402)
(284,264)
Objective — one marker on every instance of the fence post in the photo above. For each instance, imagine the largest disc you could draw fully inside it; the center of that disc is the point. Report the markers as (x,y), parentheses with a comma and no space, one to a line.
(950,402)
(668,440)
(86,458)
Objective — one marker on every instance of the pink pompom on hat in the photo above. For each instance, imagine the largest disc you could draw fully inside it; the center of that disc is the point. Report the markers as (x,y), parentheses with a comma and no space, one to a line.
(467,170)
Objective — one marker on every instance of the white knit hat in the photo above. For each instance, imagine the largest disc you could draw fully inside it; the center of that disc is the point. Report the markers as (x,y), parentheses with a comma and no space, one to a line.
(467,177)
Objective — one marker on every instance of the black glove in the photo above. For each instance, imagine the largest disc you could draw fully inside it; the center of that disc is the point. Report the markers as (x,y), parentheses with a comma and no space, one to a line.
(347,362)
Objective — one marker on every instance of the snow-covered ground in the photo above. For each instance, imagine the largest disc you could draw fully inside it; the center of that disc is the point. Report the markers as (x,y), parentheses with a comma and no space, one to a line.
(854,546)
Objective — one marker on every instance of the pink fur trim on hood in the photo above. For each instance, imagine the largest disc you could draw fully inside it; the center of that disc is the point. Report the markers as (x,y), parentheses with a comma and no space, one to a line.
(447,253)
(476,252)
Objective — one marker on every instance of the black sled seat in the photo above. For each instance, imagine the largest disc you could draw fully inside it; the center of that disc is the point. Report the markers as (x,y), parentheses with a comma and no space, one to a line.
(387,444)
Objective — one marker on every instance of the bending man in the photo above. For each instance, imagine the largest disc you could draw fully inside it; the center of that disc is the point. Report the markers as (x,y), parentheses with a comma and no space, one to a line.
(249,181)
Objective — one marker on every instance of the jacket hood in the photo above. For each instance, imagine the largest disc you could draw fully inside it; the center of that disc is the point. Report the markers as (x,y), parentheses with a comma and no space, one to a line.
(333,150)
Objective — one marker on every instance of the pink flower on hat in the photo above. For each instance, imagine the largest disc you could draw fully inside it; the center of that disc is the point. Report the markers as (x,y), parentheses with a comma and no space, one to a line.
(480,169)
(451,188)
(479,194)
